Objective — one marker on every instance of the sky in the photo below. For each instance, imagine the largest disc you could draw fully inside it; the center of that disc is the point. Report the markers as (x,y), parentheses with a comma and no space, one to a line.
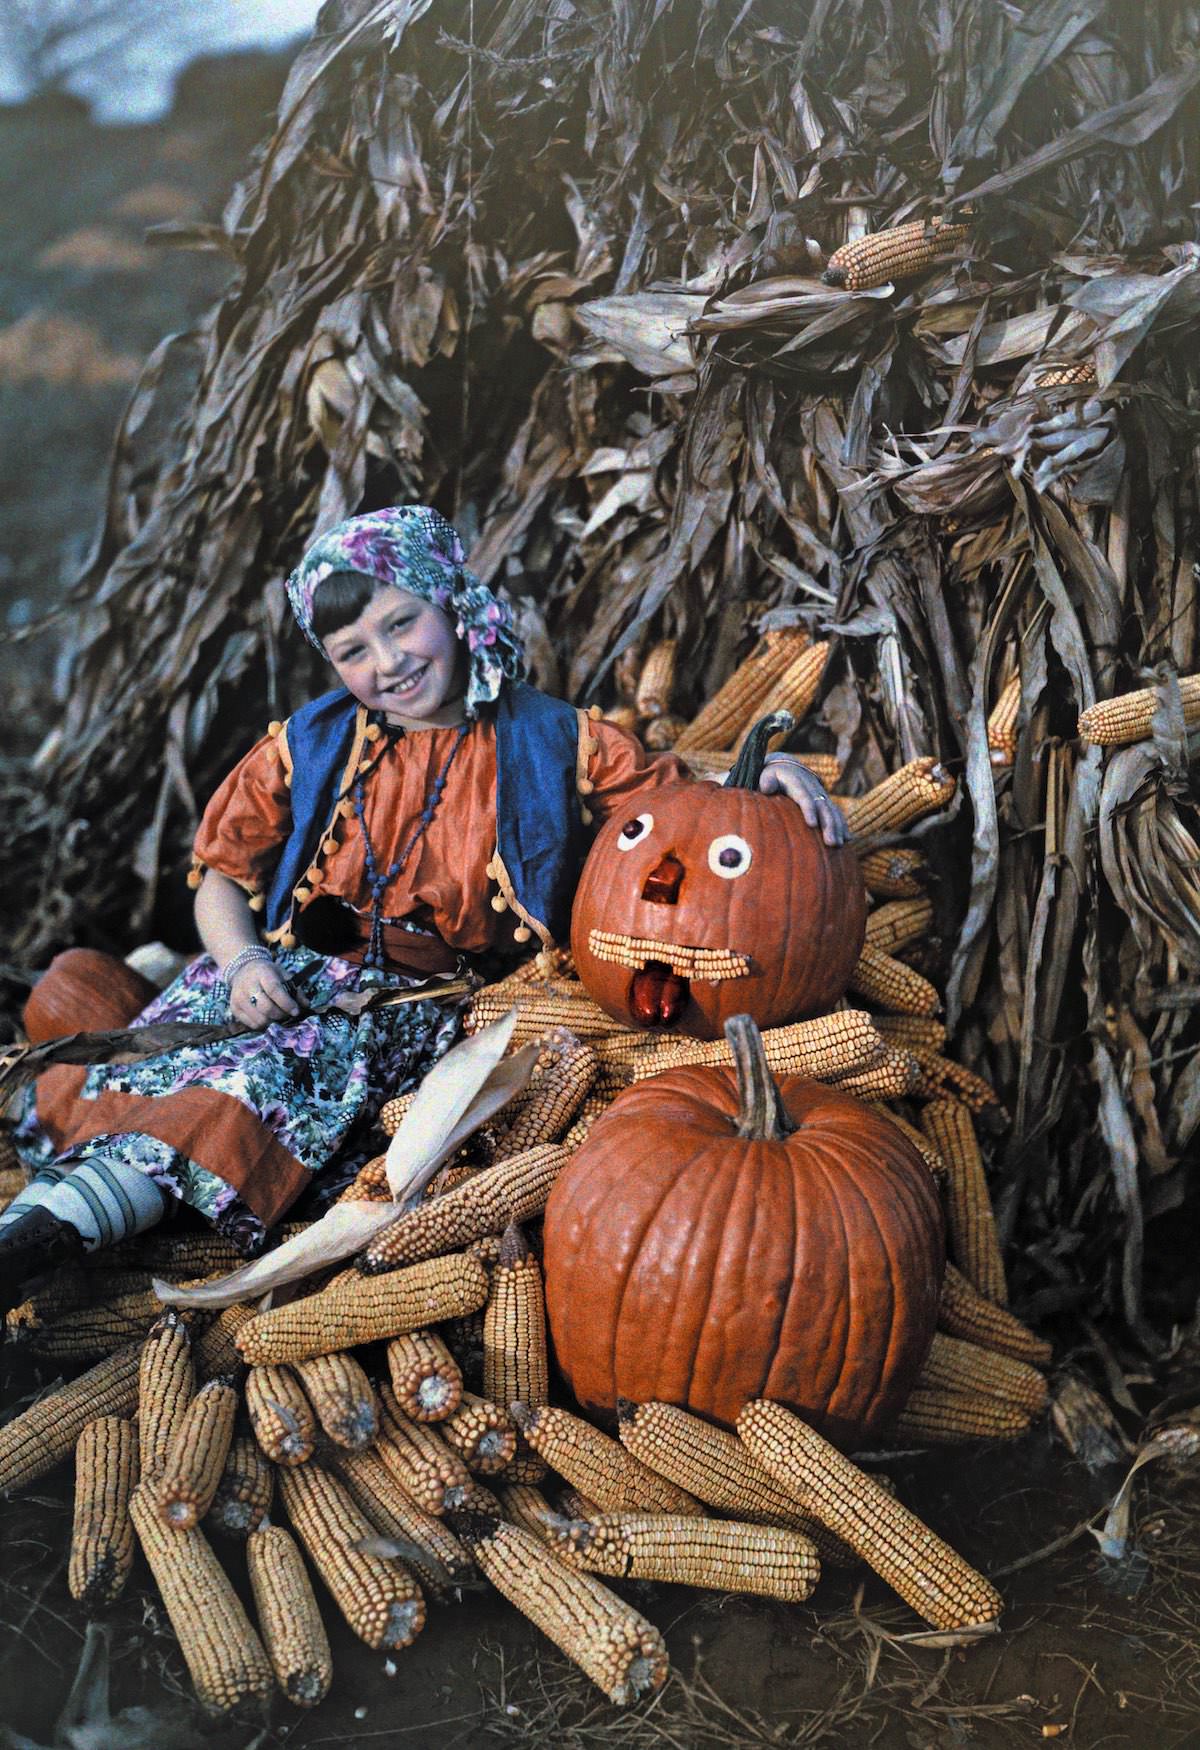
(136,86)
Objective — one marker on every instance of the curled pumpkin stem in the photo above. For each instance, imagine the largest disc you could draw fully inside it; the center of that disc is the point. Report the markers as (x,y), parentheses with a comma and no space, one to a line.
(761,1112)
(748,767)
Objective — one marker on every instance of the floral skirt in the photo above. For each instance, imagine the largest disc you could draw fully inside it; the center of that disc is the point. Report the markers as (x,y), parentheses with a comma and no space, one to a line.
(299,1099)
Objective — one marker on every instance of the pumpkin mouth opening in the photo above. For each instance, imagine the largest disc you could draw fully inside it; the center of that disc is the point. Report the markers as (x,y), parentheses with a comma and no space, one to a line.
(657,996)
(705,965)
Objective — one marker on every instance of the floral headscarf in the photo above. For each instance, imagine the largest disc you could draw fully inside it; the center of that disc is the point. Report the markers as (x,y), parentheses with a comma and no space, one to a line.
(412,547)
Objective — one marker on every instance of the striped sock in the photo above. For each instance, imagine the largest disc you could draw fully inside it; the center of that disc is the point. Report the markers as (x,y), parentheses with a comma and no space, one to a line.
(106,1202)
(33,1195)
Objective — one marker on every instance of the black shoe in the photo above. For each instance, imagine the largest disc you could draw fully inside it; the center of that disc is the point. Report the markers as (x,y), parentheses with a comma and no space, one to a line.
(30,1246)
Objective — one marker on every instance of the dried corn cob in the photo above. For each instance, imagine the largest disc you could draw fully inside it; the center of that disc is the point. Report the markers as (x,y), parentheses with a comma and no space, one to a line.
(379,1599)
(925,1571)
(102,1541)
(391,1115)
(370,1183)
(512,1190)
(1129,717)
(831,1045)
(215,1350)
(661,733)
(457,1173)
(166,1386)
(1002,723)
(179,1255)
(426,1378)
(1069,374)
(915,1033)
(93,1331)
(437,1558)
(898,924)
(289,1617)
(483,1435)
(618,1649)
(516,1365)
(243,1497)
(793,691)
(964,1312)
(574,1504)
(464,1337)
(919,788)
(280,1415)
(953,1365)
(184,1489)
(656,683)
(538,1012)
(974,1244)
(894,1074)
(343,1398)
(474,1497)
(893,985)
(419,1459)
(826,766)
(722,1555)
(598,1465)
(893,874)
(227,1661)
(715,1467)
(952,1418)
(564,1072)
(896,253)
(36,1440)
(624,716)
(736,703)
(70,1291)
(942,1077)
(359,1309)
(920,1142)
(524,1505)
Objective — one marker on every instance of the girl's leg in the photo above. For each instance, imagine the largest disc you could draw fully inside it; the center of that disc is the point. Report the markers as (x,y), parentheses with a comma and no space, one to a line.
(106,1201)
(63,1214)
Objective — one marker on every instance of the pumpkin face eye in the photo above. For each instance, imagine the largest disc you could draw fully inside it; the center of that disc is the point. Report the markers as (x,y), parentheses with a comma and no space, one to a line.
(634,831)
(729,856)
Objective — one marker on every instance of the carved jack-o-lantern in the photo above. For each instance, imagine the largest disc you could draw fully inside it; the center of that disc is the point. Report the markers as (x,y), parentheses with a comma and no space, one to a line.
(714,901)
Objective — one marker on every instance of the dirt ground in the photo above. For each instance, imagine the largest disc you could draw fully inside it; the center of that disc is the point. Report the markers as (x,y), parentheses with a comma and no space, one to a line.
(1092,1656)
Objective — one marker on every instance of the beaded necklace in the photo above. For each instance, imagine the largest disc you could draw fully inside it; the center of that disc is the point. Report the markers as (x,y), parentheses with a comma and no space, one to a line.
(380,880)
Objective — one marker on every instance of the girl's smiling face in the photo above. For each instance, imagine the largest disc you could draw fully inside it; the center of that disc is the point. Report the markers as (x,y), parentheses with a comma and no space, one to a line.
(401,657)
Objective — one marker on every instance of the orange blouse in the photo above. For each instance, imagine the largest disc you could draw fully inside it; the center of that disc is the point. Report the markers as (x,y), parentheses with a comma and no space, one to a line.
(445,885)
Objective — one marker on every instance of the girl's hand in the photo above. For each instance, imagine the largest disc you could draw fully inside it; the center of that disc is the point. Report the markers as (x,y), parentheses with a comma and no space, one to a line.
(785,775)
(259,995)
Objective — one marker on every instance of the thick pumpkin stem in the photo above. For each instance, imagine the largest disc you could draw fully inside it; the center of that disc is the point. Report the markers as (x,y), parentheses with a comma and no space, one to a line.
(761,1113)
(748,767)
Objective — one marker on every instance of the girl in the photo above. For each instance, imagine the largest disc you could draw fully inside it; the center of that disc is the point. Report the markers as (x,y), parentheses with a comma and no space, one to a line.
(426,817)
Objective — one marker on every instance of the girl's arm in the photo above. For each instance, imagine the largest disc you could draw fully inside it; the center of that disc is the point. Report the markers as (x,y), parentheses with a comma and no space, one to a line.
(226,925)
(788,775)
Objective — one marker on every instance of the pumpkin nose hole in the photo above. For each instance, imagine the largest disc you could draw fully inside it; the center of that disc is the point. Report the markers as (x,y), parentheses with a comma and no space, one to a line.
(664,880)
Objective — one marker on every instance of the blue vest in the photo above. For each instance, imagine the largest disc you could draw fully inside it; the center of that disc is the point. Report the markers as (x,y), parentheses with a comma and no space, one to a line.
(540,836)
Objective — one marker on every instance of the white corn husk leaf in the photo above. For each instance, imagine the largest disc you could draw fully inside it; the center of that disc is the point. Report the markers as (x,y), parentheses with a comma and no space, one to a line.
(469,1086)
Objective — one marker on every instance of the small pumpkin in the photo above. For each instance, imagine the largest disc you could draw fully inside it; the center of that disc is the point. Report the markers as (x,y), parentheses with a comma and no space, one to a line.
(715,900)
(717,1238)
(84,991)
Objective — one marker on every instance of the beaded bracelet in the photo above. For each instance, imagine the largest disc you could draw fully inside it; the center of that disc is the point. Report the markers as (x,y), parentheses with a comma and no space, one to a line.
(243,957)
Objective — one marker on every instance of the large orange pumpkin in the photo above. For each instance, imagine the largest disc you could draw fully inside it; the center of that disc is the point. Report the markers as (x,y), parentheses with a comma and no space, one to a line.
(717,1239)
(715,900)
(84,991)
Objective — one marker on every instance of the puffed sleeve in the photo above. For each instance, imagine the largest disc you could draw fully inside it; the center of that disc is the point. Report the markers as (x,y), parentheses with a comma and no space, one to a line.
(247,820)
(619,768)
